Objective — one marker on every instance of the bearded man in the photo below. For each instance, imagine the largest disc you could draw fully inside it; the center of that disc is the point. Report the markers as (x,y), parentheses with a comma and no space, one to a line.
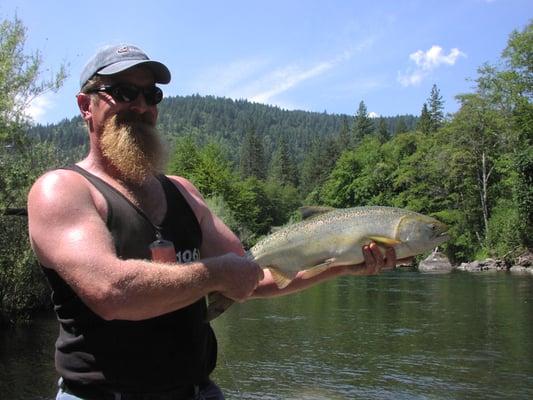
(132,317)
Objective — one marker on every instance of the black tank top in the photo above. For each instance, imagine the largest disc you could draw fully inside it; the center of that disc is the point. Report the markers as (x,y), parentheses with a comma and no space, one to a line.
(160,353)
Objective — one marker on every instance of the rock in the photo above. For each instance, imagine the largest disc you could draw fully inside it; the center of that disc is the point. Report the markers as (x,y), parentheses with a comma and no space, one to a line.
(436,262)
(519,269)
(525,259)
(485,265)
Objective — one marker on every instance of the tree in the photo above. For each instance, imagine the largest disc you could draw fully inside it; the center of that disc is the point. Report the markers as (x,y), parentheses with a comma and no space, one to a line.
(382,133)
(363,124)
(252,156)
(436,109)
(21,160)
(424,123)
(401,126)
(283,169)
(317,164)
(344,141)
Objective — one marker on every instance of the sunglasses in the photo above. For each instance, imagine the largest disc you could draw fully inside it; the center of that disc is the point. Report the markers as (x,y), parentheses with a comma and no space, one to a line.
(126,93)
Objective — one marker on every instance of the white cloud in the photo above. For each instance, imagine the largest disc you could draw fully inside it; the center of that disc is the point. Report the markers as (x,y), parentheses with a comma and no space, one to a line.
(38,107)
(426,62)
(281,80)
(373,114)
(221,79)
(252,79)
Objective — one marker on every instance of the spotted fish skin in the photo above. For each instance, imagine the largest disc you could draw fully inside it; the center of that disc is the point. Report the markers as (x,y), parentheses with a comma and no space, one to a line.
(336,237)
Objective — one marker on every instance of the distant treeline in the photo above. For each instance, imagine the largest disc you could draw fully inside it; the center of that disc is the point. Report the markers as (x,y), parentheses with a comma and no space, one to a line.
(227,122)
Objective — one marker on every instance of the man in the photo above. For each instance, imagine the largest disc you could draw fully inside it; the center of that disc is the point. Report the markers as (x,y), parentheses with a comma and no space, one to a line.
(132,323)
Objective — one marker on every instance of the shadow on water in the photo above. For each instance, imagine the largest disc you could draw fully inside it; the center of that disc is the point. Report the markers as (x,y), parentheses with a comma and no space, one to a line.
(400,335)
(27,360)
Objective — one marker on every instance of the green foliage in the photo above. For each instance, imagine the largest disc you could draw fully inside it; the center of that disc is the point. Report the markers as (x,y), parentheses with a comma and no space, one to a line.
(424,123)
(317,166)
(252,160)
(363,125)
(503,238)
(22,285)
(401,126)
(22,159)
(382,132)
(360,177)
(283,168)
(436,109)
(523,195)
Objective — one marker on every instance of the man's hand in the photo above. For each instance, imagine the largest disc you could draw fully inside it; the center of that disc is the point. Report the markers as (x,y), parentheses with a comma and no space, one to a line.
(375,261)
(238,276)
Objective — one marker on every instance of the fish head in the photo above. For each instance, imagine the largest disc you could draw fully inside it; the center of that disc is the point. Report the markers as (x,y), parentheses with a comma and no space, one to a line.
(421,232)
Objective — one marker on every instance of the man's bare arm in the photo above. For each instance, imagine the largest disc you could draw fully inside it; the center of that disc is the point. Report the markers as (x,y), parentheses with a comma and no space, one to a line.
(69,235)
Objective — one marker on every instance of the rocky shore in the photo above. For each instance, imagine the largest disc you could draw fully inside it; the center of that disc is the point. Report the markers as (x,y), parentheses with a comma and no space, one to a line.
(437,262)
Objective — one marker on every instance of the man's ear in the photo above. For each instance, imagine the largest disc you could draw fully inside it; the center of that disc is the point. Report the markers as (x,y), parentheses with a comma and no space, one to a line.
(84,104)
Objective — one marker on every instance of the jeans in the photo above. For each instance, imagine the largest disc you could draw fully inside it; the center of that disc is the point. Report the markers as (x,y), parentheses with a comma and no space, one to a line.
(211,392)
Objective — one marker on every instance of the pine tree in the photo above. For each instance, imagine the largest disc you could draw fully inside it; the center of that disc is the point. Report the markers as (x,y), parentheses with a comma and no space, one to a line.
(283,169)
(424,123)
(252,161)
(436,107)
(363,125)
(382,132)
(401,126)
(344,140)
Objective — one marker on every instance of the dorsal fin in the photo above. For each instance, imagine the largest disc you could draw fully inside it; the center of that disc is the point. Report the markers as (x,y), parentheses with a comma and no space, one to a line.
(312,211)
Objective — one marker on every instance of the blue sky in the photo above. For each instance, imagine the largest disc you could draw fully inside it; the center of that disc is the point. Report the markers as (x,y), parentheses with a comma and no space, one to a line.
(307,55)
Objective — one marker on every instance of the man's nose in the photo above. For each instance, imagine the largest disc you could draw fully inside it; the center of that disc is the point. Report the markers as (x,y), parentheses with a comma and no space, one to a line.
(139,104)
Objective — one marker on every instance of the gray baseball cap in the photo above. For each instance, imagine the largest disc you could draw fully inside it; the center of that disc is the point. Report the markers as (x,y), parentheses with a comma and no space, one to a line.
(111,60)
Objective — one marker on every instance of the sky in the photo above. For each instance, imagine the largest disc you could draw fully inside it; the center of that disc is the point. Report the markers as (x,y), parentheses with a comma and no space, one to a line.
(323,56)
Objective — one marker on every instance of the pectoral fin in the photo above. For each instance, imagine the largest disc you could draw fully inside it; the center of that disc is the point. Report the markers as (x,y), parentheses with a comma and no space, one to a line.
(384,240)
(281,278)
(317,269)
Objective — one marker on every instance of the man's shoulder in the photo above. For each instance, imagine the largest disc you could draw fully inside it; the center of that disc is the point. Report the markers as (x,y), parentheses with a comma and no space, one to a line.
(183,184)
(57,176)
(55,184)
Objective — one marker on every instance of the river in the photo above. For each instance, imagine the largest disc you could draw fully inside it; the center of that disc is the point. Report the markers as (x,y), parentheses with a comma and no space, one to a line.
(400,335)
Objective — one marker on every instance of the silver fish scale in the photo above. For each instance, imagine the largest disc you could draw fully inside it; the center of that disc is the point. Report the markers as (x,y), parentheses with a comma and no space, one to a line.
(326,235)
(336,238)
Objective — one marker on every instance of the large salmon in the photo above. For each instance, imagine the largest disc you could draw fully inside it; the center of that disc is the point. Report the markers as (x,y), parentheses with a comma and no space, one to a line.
(336,237)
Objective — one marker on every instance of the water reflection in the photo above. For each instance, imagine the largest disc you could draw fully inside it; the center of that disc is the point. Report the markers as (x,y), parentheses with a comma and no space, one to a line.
(402,335)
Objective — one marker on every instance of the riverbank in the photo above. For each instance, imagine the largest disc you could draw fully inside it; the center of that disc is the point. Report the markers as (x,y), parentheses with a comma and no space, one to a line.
(438,262)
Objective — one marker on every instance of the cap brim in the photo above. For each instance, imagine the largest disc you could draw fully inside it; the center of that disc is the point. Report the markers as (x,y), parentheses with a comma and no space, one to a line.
(160,71)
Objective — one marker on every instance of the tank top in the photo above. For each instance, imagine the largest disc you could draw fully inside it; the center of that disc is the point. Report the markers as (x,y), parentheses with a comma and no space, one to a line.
(151,355)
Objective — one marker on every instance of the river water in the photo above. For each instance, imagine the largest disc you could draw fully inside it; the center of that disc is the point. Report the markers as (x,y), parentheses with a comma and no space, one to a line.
(400,335)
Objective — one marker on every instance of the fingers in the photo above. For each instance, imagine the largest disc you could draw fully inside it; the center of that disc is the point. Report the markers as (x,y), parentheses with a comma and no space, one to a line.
(239,277)
(390,258)
(375,260)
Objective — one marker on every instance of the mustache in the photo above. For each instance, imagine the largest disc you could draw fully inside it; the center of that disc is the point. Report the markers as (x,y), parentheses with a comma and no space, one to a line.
(132,117)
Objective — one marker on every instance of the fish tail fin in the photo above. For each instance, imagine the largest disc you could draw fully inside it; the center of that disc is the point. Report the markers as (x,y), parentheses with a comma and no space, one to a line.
(217,304)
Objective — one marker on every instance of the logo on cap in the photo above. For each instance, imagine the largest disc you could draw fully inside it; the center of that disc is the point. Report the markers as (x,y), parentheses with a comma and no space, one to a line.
(124,49)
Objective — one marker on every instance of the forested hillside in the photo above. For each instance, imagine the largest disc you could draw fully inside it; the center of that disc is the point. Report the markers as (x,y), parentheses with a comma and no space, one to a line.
(227,122)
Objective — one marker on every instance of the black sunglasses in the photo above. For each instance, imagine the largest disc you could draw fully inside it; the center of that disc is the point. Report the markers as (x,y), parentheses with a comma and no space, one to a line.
(126,92)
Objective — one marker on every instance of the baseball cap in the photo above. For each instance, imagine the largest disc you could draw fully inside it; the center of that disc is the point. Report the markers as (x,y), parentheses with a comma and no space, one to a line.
(111,60)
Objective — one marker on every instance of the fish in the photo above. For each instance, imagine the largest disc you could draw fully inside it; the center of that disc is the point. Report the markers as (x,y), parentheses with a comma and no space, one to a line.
(335,237)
